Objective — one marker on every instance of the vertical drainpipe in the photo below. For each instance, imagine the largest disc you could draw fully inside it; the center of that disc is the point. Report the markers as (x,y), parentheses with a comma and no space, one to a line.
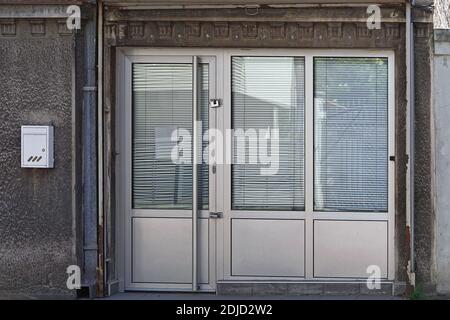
(410,140)
(89,155)
(102,275)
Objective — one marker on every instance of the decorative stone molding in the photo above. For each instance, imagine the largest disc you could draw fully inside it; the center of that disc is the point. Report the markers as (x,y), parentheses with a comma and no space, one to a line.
(363,31)
(215,32)
(192,29)
(306,30)
(221,30)
(164,30)
(136,30)
(35,11)
(392,30)
(62,28)
(277,30)
(110,31)
(249,30)
(394,14)
(423,30)
(34,27)
(335,30)
(122,30)
(8,27)
(37,27)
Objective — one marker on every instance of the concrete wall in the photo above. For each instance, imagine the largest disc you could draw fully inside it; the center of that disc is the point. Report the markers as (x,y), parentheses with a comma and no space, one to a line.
(442,116)
(424,211)
(441,14)
(38,222)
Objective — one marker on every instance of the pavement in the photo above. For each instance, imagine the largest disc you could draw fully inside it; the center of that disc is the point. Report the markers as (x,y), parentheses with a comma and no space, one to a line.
(212,296)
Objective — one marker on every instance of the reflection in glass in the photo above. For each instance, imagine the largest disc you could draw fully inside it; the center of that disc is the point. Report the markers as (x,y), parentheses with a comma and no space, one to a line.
(268,93)
(162,105)
(350,134)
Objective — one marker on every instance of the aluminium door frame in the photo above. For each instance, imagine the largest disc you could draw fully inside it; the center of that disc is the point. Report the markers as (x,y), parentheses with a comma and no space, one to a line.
(125,57)
(309,215)
(223,177)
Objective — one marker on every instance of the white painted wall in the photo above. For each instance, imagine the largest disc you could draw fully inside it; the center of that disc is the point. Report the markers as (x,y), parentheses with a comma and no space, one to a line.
(442,126)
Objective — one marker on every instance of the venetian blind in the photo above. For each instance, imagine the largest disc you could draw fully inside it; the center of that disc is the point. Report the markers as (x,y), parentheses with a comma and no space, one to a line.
(268,93)
(162,105)
(350,134)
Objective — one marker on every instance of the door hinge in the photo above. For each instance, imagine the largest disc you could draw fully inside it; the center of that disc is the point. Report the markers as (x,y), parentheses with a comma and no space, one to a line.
(215,215)
(215,103)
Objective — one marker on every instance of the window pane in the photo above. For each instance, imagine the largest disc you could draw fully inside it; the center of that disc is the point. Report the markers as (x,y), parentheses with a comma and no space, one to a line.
(268,93)
(350,134)
(162,104)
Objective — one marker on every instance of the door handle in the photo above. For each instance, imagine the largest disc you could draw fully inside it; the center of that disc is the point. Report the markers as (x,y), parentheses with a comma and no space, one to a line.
(216,215)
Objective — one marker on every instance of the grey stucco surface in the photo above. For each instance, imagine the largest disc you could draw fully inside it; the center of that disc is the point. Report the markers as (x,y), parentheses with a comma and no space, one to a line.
(442,115)
(36,217)
(424,214)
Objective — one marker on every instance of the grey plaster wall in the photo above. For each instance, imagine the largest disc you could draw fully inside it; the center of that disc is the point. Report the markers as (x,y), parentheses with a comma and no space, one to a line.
(442,115)
(424,212)
(37,222)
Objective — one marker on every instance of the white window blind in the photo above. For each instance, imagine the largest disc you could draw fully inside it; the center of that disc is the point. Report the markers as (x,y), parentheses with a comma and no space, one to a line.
(162,103)
(350,134)
(268,93)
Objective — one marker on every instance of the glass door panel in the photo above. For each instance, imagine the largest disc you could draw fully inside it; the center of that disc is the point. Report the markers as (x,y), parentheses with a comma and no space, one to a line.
(162,114)
(171,244)
(268,94)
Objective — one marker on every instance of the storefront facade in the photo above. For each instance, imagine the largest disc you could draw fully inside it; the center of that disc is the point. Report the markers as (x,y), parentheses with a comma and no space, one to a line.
(315,221)
(251,149)
(252,226)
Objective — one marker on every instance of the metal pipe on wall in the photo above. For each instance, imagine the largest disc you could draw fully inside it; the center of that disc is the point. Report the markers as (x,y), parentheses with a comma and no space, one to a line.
(102,257)
(89,154)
